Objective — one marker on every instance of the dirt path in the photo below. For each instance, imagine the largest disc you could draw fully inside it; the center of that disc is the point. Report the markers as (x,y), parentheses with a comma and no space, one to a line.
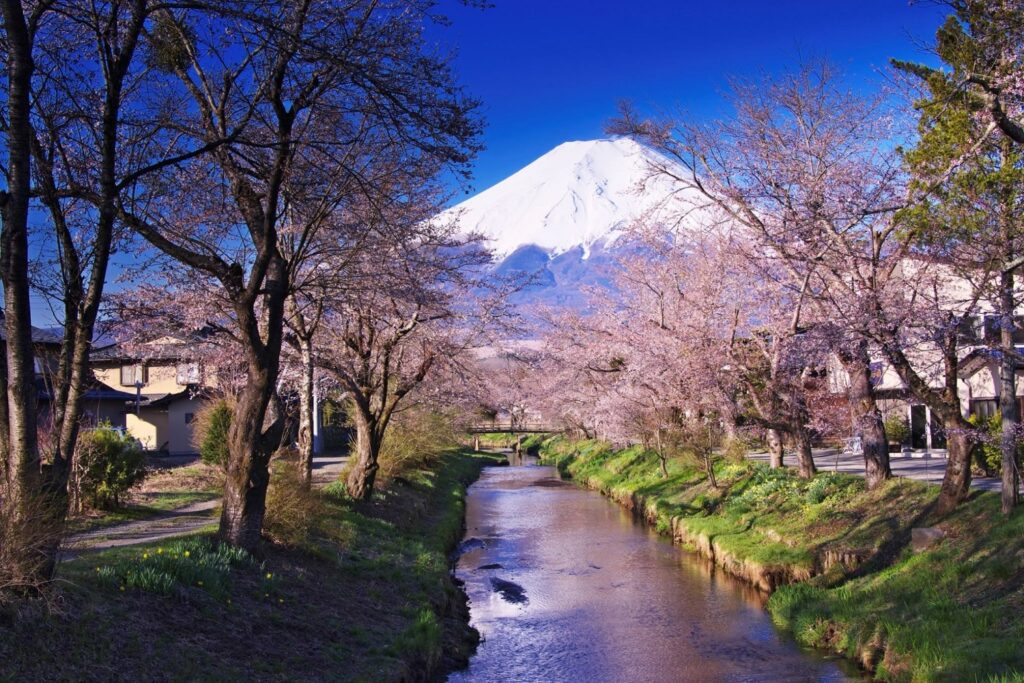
(176,522)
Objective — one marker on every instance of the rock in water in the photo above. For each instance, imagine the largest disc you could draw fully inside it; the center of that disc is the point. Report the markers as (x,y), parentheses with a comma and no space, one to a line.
(509,591)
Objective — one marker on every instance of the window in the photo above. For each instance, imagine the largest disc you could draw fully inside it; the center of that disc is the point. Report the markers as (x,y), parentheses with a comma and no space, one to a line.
(133,374)
(970,329)
(993,329)
(189,373)
(877,373)
(984,408)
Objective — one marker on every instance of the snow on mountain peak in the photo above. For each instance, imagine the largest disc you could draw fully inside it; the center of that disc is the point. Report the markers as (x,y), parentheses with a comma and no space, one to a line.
(573,196)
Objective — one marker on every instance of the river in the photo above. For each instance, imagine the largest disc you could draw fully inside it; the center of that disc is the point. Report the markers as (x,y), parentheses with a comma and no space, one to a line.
(565,586)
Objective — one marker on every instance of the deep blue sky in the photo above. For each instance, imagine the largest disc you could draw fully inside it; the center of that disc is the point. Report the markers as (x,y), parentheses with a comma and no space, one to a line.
(551,71)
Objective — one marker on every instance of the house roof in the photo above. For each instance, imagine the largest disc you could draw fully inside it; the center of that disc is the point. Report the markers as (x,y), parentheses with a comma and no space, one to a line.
(163,400)
(40,335)
(983,356)
(170,347)
(120,352)
(95,391)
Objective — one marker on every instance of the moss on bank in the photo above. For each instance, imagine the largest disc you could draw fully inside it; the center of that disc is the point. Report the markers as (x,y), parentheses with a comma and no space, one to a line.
(838,558)
(367,597)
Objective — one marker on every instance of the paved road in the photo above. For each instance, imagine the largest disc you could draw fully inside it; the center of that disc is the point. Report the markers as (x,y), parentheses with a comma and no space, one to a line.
(175,522)
(916,466)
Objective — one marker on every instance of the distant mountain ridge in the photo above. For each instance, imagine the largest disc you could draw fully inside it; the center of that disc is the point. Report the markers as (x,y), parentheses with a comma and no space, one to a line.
(562,217)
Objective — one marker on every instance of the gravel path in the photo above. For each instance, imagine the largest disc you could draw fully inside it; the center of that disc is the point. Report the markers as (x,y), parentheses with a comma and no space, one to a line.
(176,522)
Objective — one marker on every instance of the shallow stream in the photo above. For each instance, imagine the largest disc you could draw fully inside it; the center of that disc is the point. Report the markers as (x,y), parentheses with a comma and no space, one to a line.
(564,585)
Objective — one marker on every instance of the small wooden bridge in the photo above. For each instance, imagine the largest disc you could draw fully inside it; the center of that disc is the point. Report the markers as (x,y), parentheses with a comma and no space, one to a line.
(510,428)
(517,430)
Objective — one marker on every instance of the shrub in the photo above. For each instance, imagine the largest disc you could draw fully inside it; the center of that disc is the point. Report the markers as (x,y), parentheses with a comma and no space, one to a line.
(415,439)
(107,464)
(293,511)
(990,438)
(735,450)
(896,429)
(210,436)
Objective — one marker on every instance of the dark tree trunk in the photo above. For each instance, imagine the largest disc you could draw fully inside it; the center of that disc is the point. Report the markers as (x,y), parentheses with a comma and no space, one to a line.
(250,441)
(866,417)
(775,448)
(663,461)
(804,456)
(1008,396)
(364,472)
(20,448)
(956,482)
(709,467)
(248,466)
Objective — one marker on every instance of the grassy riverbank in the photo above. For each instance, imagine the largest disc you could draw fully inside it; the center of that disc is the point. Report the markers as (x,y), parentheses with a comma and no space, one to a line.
(357,592)
(838,557)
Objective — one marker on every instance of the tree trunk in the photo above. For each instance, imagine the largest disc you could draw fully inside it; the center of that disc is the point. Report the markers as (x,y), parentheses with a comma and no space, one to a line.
(306,408)
(250,441)
(775,450)
(709,466)
(867,418)
(248,472)
(1008,397)
(21,447)
(804,456)
(362,475)
(956,482)
(661,454)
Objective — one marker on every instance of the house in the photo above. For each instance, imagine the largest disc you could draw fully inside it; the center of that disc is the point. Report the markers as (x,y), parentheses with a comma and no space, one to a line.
(102,403)
(166,385)
(978,383)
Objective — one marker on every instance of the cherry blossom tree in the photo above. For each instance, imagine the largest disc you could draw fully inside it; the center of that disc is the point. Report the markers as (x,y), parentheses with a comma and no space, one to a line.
(408,311)
(311,87)
(804,168)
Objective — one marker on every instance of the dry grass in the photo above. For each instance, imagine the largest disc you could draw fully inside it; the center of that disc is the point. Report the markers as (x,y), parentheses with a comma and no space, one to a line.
(28,539)
(414,440)
(198,477)
(293,511)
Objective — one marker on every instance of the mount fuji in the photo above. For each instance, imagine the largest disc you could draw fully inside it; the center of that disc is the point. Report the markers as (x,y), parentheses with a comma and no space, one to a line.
(563,217)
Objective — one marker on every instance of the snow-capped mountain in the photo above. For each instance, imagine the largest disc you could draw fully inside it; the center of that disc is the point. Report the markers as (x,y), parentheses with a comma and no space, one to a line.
(562,216)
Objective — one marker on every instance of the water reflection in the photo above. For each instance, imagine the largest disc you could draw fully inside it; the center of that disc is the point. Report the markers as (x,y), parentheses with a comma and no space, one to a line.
(565,586)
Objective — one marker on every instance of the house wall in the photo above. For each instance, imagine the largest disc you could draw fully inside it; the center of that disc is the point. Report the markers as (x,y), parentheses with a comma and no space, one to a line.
(149,427)
(162,377)
(180,428)
(107,411)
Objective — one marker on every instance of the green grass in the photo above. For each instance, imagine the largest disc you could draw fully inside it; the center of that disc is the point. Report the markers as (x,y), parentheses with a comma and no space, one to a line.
(367,597)
(951,613)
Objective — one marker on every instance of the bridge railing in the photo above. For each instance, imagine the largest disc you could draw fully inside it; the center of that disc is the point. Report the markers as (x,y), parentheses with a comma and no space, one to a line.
(515,428)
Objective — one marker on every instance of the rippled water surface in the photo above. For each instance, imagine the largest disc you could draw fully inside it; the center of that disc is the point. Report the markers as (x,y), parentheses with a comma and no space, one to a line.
(565,586)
